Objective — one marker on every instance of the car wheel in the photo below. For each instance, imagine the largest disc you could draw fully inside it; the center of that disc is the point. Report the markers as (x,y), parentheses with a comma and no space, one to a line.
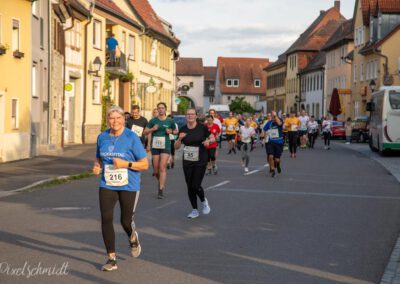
(361,139)
(371,146)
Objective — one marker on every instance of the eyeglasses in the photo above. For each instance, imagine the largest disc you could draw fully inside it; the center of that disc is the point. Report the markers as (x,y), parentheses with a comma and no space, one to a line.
(190,114)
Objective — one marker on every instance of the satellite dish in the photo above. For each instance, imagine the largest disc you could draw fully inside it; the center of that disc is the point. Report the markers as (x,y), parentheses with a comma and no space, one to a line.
(151,89)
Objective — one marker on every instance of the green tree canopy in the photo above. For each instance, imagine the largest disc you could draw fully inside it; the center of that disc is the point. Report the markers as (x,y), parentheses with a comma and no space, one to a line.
(183,105)
(239,105)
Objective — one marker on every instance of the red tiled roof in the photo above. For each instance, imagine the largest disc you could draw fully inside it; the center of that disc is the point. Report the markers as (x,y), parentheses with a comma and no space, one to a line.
(209,73)
(389,6)
(186,66)
(244,69)
(146,12)
(112,7)
(343,34)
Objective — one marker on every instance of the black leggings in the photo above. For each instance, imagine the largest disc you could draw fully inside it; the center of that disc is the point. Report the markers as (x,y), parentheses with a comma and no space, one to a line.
(108,199)
(292,141)
(211,154)
(194,176)
(327,138)
(311,138)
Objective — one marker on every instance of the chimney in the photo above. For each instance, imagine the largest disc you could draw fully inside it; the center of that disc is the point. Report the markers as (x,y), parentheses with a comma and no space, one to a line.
(337,5)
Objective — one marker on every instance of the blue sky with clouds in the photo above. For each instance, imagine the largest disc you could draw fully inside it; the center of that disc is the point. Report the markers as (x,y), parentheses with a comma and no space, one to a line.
(241,28)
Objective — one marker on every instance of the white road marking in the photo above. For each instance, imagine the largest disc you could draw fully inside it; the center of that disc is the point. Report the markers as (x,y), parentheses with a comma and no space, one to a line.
(218,185)
(252,172)
(65,208)
(158,207)
(309,193)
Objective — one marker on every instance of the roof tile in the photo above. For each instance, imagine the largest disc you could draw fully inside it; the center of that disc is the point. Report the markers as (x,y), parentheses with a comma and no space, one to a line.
(186,66)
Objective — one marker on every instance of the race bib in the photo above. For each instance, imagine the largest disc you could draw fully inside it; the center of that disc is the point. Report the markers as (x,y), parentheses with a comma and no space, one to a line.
(293,127)
(274,133)
(171,137)
(158,142)
(246,138)
(230,127)
(115,177)
(237,128)
(138,130)
(191,153)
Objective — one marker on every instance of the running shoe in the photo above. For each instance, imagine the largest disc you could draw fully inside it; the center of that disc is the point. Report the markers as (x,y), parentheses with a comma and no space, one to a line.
(136,249)
(193,214)
(206,208)
(172,165)
(230,151)
(246,169)
(160,194)
(110,265)
(278,167)
(208,172)
(234,151)
(273,173)
(215,170)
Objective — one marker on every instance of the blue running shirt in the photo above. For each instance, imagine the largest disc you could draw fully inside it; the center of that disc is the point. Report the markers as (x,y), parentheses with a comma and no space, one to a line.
(270,125)
(127,147)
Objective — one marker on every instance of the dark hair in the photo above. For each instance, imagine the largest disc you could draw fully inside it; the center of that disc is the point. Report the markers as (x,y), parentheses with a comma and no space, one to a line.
(209,116)
(312,116)
(127,113)
(211,109)
(162,103)
(192,108)
(135,107)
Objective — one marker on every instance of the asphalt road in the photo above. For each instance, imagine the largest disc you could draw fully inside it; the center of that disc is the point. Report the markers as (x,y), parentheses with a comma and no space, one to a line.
(330,217)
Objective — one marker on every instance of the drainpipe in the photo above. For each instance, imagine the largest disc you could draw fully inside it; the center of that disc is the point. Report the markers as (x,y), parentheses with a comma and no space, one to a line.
(64,76)
(323,92)
(387,78)
(85,72)
(49,49)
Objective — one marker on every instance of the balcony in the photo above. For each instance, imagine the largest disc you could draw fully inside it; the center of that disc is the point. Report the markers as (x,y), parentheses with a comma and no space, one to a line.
(117,68)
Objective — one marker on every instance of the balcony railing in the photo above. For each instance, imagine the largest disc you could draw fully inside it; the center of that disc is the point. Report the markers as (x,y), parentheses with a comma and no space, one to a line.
(119,66)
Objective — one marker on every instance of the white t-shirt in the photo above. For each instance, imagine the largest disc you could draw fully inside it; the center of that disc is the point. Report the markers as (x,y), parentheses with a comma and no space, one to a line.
(246,133)
(326,126)
(312,126)
(218,122)
(303,122)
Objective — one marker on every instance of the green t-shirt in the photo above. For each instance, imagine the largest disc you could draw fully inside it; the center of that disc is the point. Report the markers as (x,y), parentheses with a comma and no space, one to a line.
(163,125)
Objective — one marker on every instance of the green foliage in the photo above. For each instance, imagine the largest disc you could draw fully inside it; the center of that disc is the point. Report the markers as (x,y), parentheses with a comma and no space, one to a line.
(128,77)
(183,105)
(239,105)
(106,101)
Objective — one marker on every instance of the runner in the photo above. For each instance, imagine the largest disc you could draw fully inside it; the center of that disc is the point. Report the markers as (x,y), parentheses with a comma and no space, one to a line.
(160,128)
(304,119)
(196,137)
(138,123)
(312,131)
(285,133)
(212,148)
(231,123)
(255,127)
(119,159)
(327,132)
(154,114)
(274,147)
(293,124)
(217,120)
(246,134)
(172,137)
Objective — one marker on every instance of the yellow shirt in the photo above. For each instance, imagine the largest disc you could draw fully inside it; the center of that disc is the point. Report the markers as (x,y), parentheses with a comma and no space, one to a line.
(253,124)
(230,124)
(292,123)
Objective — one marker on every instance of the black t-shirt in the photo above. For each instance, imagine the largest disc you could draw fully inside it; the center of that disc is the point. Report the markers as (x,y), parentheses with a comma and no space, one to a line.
(138,126)
(194,138)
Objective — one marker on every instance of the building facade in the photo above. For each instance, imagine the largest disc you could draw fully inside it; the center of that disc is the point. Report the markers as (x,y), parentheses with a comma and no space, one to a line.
(210,73)
(276,85)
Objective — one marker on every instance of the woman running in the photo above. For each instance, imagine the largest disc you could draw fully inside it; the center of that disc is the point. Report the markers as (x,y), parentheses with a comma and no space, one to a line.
(196,137)
(120,157)
(312,127)
(212,148)
(247,134)
(292,123)
(327,132)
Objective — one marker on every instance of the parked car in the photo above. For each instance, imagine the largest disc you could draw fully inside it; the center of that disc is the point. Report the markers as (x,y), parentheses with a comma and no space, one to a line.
(338,130)
(360,132)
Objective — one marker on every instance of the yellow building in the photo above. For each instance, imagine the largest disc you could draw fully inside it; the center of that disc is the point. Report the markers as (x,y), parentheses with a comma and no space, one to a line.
(376,53)
(276,85)
(15,79)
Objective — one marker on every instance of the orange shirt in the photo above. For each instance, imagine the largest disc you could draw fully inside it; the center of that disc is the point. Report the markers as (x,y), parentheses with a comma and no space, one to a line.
(231,124)
(292,123)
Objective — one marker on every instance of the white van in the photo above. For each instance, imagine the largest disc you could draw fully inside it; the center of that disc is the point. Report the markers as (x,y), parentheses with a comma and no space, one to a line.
(384,127)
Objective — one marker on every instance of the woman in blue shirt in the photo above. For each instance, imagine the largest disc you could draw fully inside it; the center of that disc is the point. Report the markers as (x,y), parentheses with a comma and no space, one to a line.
(119,159)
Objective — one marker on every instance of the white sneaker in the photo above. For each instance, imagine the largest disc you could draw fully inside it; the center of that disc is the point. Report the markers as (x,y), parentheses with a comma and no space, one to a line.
(246,170)
(206,208)
(193,214)
(347,143)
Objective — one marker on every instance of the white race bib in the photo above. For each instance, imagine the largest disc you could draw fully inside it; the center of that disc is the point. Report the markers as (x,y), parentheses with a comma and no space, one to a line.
(230,127)
(158,142)
(115,177)
(138,130)
(273,133)
(293,127)
(191,153)
(246,138)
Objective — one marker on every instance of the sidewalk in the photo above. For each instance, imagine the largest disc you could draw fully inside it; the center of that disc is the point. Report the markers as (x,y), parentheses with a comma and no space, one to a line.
(75,160)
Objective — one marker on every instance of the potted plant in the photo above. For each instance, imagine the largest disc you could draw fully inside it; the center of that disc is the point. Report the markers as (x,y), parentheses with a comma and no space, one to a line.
(3,48)
(18,54)
(128,77)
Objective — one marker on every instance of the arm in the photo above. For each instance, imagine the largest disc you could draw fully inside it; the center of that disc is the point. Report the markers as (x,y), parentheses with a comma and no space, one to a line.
(178,141)
(97,167)
(140,165)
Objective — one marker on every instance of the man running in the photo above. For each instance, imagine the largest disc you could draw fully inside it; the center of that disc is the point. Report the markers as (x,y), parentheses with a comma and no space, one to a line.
(312,131)
(160,128)
(212,147)
(274,148)
(304,119)
(137,123)
(247,134)
(231,123)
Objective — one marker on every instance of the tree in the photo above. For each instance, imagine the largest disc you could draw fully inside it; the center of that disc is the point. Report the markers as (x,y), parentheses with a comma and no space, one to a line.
(239,105)
(183,105)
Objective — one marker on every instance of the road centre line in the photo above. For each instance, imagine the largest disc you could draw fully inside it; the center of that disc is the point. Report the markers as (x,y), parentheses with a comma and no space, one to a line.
(320,194)
(218,185)
(257,170)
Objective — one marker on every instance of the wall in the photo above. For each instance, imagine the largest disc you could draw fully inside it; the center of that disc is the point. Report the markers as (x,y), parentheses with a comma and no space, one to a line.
(196,92)
(313,94)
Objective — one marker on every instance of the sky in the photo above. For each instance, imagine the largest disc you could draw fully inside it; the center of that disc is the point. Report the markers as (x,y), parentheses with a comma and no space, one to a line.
(241,28)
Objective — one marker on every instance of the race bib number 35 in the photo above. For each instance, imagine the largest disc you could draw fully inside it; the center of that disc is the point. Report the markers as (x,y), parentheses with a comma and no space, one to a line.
(191,153)
(115,177)
(158,142)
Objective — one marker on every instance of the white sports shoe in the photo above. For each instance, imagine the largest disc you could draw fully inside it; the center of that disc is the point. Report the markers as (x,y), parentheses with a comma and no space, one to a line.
(246,170)
(206,208)
(193,214)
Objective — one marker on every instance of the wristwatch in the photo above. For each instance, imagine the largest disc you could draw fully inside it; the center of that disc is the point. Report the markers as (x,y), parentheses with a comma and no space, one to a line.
(130,165)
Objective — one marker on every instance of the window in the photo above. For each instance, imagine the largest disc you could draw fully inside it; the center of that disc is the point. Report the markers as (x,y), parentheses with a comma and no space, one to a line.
(257,83)
(211,99)
(123,42)
(235,82)
(355,73)
(15,35)
(211,87)
(96,91)
(131,47)
(362,72)
(35,8)
(14,113)
(41,32)
(153,53)
(97,34)
(229,83)
(34,81)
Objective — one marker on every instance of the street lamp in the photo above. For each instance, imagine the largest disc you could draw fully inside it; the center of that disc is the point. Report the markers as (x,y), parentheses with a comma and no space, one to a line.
(372,85)
(96,66)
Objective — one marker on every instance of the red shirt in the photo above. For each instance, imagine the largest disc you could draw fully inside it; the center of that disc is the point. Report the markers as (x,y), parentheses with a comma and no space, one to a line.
(214,129)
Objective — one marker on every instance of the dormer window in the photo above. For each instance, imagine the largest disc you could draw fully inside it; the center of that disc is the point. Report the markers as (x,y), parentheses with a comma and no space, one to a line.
(257,83)
(232,82)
